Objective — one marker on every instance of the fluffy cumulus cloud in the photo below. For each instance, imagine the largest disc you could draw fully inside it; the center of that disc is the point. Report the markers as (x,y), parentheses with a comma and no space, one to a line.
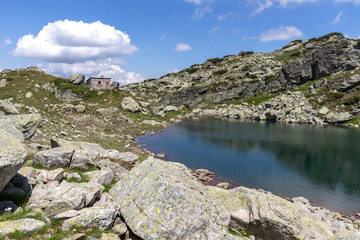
(105,67)
(337,19)
(71,41)
(182,47)
(281,33)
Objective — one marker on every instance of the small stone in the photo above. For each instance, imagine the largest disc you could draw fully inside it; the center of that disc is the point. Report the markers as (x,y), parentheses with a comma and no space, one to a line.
(120,229)
(28,95)
(109,236)
(223,185)
(79,236)
(161,155)
(68,214)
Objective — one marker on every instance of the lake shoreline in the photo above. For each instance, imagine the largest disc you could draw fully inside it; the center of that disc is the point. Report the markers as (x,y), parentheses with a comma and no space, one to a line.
(232,184)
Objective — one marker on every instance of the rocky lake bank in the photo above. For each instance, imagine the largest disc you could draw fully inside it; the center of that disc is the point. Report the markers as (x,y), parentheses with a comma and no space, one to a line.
(70,169)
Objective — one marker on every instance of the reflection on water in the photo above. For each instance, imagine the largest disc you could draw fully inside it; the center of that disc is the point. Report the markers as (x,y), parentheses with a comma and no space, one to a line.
(320,163)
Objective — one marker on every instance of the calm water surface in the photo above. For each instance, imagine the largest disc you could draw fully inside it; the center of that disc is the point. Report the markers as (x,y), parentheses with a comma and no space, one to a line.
(319,163)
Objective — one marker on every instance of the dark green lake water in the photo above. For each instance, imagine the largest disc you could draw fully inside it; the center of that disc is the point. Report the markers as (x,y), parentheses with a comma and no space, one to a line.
(319,163)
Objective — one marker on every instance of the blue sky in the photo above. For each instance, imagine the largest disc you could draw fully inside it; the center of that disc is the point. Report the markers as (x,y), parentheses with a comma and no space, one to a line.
(138,39)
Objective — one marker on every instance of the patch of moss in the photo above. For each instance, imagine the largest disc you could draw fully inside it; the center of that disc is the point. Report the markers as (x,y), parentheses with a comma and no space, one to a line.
(295,53)
(191,70)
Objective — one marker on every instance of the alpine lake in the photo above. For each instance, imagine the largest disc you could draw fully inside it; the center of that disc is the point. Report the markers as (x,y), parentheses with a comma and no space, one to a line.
(321,163)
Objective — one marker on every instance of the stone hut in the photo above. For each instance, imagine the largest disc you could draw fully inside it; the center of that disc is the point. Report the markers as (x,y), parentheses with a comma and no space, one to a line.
(99,83)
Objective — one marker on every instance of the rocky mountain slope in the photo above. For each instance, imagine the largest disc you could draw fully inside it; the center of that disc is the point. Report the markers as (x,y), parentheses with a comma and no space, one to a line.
(323,71)
(70,168)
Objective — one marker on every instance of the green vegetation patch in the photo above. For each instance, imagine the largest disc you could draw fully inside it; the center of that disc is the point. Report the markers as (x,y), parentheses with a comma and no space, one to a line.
(215,60)
(292,54)
(191,70)
(220,72)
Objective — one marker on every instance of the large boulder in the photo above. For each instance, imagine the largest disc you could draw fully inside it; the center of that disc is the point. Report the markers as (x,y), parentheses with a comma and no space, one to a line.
(100,216)
(54,158)
(64,197)
(162,200)
(83,153)
(26,123)
(76,78)
(12,157)
(8,107)
(129,104)
(338,117)
(10,128)
(27,225)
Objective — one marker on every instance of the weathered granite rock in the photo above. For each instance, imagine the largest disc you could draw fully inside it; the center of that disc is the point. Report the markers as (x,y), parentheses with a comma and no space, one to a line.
(84,153)
(10,128)
(338,117)
(12,157)
(59,157)
(66,196)
(79,108)
(324,110)
(78,236)
(76,78)
(119,171)
(120,229)
(22,225)
(128,157)
(8,107)
(103,176)
(162,200)
(151,122)
(100,216)
(26,123)
(109,236)
(129,104)
(349,83)
(158,112)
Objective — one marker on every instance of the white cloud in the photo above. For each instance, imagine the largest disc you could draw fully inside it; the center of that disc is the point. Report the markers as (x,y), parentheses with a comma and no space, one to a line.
(215,29)
(262,5)
(162,37)
(353,1)
(201,12)
(281,33)
(173,71)
(70,41)
(7,41)
(105,67)
(197,2)
(182,47)
(337,19)
(224,16)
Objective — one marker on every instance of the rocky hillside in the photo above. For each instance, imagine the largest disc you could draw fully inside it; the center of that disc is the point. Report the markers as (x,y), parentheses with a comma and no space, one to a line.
(70,168)
(323,71)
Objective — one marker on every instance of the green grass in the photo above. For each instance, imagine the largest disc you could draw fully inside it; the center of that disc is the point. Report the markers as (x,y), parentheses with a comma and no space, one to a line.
(292,54)
(191,70)
(260,99)
(242,233)
(220,72)
(215,60)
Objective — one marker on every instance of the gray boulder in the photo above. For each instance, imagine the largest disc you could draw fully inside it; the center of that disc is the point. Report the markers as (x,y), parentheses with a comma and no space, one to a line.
(158,112)
(162,200)
(349,83)
(12,157)
(99,216)
(59,157)
(10,128)
(119,171)
(129,104)
(28,225)
(76,79)
(103,176)
(64,197)
(8,107)
(338,117)
(26,123)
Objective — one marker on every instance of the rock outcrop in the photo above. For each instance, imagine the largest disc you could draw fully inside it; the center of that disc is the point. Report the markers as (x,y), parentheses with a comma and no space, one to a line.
(76,79)
(27,225)
(26,123)
(12,157)
(162,200)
